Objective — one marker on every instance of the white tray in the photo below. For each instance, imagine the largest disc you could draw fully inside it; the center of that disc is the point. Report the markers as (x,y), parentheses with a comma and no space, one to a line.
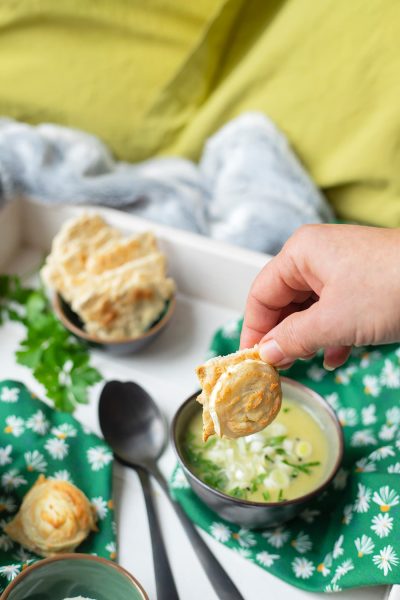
(213,280)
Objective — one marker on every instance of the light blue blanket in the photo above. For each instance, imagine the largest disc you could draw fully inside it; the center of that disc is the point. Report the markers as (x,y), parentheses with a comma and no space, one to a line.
(248,188)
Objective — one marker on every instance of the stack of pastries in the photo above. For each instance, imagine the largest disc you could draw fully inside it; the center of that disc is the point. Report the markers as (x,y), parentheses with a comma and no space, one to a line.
(117,285)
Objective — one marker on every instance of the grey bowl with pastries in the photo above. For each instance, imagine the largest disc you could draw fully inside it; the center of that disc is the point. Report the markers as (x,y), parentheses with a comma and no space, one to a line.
(121,347)
(257,515)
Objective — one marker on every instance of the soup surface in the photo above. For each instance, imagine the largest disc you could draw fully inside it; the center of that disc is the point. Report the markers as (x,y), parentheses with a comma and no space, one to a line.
(284,461)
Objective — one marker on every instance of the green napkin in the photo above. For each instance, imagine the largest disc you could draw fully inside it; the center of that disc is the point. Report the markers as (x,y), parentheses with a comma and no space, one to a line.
(35,439)
(350,536)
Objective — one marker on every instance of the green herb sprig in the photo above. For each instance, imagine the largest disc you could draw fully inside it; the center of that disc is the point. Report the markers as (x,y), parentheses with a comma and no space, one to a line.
(60,362)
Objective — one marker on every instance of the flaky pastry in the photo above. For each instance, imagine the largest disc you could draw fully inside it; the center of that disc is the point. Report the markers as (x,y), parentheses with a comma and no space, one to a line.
(118,286)
(54,517)
(241,394)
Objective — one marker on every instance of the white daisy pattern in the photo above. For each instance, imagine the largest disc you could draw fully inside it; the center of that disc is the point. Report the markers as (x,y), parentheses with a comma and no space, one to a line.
(345,567)
(309,515)
(231,329)
(382,525)
(343,376)
(277,537)
(393,416)
(338,547)
(368,357)
(364,545)
(100,506)
(7,504)
(22,555)
(12,479)
(390,375)
(57,448)
(10,395)
(387,432)
(368,415)
(6,543)
(14,426)
(365,465)
(348,417)
(5,455)
(347,514)
(220,531)
(363,499)
(332,588)
(386,558)
(394,468)
(111,548)
(302,568)
(382,452)
(266,559)
(243,552)
(363,437)
(245,538)
(38,423)
(325,566)
(64,431)
(302,543)
(385,498)
(35,461)
(316,373)
(10,571)
(179,480)
(62,475)
(339,482)
(371,385)
(98,457)
(333,400)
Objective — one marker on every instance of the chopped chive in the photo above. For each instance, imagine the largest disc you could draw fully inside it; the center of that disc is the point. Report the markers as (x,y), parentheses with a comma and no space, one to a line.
(304,468)
(280,496)
(266,496)
(286,410)
(238,492)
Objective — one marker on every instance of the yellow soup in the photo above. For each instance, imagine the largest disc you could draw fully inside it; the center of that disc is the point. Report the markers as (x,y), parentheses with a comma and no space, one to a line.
(284,461)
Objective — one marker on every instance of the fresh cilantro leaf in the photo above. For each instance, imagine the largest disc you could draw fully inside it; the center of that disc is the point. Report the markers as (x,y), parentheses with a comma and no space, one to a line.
(59,362)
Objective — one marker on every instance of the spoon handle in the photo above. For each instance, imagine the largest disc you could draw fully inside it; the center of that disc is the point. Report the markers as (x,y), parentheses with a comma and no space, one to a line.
(219,578)
(165,584)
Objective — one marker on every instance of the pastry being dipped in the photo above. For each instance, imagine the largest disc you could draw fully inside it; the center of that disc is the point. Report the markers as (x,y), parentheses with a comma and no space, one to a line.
(241,394)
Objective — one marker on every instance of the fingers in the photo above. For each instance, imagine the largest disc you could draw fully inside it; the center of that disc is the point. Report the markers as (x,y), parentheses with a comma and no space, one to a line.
(275,289)
(297,336)
(336,356)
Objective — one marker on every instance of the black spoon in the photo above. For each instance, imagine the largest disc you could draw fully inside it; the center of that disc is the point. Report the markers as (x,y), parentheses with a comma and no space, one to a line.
(132,424)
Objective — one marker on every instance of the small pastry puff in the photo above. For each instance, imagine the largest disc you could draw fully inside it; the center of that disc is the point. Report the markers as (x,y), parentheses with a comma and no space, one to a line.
(241,394)
(54,517)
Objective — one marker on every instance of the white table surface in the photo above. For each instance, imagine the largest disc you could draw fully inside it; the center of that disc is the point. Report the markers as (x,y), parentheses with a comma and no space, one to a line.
(166,370)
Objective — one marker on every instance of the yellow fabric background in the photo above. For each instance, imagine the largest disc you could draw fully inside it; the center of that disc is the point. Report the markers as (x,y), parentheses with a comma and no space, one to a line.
(155,77)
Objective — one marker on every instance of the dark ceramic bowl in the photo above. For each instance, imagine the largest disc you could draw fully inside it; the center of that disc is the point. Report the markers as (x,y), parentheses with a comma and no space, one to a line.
(255,515)
(71,575)
(73,323)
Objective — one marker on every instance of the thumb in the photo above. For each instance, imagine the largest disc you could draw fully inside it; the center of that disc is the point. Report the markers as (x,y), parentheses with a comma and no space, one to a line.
(297,336)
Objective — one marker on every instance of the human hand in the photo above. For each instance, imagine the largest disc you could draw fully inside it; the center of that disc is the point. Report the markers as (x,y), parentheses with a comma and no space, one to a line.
(330,287)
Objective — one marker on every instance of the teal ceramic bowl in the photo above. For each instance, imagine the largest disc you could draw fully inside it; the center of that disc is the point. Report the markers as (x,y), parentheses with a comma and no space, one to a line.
(72,575)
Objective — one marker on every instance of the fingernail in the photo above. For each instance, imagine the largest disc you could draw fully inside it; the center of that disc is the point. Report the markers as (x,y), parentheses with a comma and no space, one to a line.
(271,353)
(328,367)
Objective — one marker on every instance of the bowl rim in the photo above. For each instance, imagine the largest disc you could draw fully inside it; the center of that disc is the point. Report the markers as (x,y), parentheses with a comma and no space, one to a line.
(80,333)
(282,503)
(73,556)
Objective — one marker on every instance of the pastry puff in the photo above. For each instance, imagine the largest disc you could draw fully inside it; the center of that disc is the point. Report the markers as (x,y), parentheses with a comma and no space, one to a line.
(241,394)
(54,517)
